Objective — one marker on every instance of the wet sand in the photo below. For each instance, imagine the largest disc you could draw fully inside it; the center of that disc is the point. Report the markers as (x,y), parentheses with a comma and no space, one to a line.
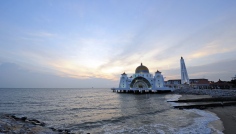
(228,117)
(227,114)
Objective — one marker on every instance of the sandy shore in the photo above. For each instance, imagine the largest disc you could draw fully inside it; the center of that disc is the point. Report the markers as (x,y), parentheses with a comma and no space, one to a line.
(228,117)
(226,114)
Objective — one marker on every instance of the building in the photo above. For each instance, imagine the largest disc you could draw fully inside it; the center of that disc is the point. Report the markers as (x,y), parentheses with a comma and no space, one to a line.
(221,85)
(175,83)
(184,73)
(142,80)
(193,83)
(199,83)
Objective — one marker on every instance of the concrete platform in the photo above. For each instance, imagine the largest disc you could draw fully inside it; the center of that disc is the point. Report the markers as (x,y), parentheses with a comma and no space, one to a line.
(142,90)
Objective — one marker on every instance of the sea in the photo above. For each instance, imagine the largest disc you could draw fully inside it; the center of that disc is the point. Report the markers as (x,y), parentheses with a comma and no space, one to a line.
(101,111)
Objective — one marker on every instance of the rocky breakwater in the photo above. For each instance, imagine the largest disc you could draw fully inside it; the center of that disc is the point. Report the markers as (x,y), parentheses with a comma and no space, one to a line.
(220,98)
(15,125)
(211,92)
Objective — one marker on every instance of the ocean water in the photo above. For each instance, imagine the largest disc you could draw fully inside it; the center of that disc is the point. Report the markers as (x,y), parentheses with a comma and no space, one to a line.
(103,111)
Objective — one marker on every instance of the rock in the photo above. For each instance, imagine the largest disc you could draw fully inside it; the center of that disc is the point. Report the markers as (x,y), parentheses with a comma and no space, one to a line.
(4,131)
(14,125)
(67,131)
(60,130)
(42,124)
(53,129)
(34,120)
(23,118)
(202,107)
(35,123)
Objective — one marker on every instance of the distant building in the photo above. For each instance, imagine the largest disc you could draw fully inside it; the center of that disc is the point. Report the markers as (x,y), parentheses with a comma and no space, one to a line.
(175,83)
(194,83)
(199,83)
(142,79)
(221,85)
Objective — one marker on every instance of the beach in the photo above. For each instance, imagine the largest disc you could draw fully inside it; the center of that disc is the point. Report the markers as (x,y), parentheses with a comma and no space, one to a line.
(227,114)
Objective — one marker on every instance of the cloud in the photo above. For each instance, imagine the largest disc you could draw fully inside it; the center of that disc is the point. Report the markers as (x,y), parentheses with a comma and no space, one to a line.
(14,76)
(81,59)
(214,47)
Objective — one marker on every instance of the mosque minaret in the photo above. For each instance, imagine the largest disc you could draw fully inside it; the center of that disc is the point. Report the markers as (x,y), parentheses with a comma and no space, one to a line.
(184,73)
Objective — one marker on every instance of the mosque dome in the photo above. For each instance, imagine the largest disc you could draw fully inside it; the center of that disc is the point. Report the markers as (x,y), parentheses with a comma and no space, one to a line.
(141,69)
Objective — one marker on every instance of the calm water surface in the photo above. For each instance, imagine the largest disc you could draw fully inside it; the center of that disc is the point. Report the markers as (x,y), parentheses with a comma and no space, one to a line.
(102,111)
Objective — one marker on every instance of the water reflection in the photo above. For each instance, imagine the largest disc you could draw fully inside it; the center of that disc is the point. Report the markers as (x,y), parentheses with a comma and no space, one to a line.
(141,104)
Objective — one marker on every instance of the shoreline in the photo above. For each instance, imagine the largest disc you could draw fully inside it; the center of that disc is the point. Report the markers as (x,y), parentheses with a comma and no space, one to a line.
(226,114)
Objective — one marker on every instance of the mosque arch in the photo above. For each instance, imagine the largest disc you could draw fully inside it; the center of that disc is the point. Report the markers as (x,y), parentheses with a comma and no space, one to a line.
(140,82)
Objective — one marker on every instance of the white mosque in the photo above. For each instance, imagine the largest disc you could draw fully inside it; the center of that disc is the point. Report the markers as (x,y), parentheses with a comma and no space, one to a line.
(143,81)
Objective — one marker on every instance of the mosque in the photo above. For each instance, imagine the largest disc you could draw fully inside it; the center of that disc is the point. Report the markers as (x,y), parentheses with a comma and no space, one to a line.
(143,81)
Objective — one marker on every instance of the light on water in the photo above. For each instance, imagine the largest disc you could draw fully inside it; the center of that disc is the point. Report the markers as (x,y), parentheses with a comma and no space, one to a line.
(102,111)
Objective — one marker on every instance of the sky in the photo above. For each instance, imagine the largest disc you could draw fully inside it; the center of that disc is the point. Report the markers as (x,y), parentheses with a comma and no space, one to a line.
(89,43)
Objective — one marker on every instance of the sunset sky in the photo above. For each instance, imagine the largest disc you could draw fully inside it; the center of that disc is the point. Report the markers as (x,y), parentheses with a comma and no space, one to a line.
(89,43)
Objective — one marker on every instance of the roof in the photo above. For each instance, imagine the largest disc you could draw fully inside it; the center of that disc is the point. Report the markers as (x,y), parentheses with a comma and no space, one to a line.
(199,81)
(123,73)
(141,69)
(158,71)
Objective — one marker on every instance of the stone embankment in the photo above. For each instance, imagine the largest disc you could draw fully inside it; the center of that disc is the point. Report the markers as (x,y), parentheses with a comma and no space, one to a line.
(11,124)
(220,98)
(211,92)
